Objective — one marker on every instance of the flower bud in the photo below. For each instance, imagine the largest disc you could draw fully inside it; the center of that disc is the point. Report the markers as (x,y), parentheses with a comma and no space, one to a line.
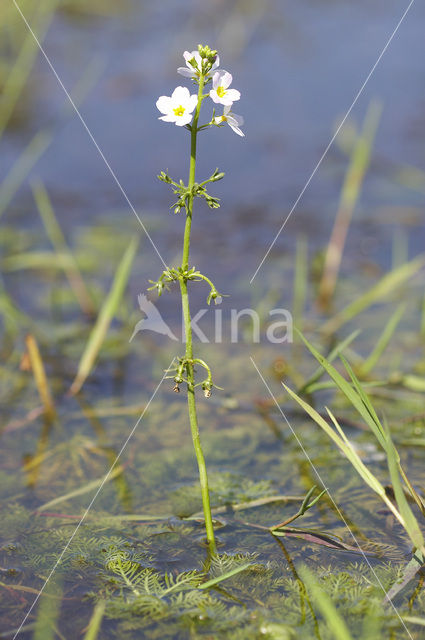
(193,63)
(206,387)
(218,176)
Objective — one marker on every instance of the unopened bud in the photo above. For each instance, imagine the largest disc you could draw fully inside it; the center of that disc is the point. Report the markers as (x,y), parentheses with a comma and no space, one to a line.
(217,176)
(193,63)
(207,389)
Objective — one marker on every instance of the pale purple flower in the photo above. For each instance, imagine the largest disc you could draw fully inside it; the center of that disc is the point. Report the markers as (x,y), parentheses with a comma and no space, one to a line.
(233,120)
(191,72)
(220,93)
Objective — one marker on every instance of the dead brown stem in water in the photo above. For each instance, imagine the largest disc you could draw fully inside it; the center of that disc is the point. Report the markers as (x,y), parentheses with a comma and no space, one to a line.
(359,164)
(40,377)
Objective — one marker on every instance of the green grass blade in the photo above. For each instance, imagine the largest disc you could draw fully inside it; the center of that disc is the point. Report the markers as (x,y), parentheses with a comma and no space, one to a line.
(321,599)
(331,357)
(410,571)
(225,576)
(106,314)
(351,190)
(95,621)
(373,421)
(338,427)
(414,620)
(13,317)
(60,245)
(36,260)
(341,442)
(351,394)
(48,611)
(329,384)
(90,486)
(22,167)
(413,383)
(411,524)
(383,341)
(382,289)
(21,69)
(423,317)
(344,445)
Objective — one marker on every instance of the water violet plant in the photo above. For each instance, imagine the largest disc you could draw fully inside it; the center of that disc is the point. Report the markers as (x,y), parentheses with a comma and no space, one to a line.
(183,109)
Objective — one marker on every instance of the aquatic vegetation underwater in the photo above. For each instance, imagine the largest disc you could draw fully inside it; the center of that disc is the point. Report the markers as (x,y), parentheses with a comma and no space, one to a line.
(106,530)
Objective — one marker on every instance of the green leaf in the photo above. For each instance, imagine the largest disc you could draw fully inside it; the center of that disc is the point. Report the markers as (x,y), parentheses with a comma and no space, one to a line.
(409,573)
(225,576)
(104,319)
(331,357)
(411,524)
(333,619)
(373,420)
(351,394)
(379,291)
(341,441)
(90,486)
(383,341)
(95,621)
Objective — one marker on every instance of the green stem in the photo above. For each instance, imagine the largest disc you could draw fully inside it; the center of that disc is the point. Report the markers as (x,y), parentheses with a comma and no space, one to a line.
(203,478)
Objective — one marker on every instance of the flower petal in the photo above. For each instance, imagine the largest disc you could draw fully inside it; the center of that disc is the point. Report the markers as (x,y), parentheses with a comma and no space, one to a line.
(180,95)
(224,100)
(233,95)
(188,55)
(187,73)
(236,129)
(216,79)
(163,104)
(216,63)
(184,119)
(192,102)
(214,97)
(238,120)
(225,78)
(168,118)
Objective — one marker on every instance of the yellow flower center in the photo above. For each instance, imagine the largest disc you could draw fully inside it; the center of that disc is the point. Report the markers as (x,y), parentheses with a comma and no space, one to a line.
(223,119)
(179,111)
(221,91)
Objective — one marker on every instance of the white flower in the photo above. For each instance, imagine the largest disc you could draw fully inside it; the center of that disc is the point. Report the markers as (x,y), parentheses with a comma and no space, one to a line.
(179,107)
(191,72)
(233,120)
(220,93)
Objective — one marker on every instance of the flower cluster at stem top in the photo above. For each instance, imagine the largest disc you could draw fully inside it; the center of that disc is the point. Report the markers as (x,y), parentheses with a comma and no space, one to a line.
(179,108)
